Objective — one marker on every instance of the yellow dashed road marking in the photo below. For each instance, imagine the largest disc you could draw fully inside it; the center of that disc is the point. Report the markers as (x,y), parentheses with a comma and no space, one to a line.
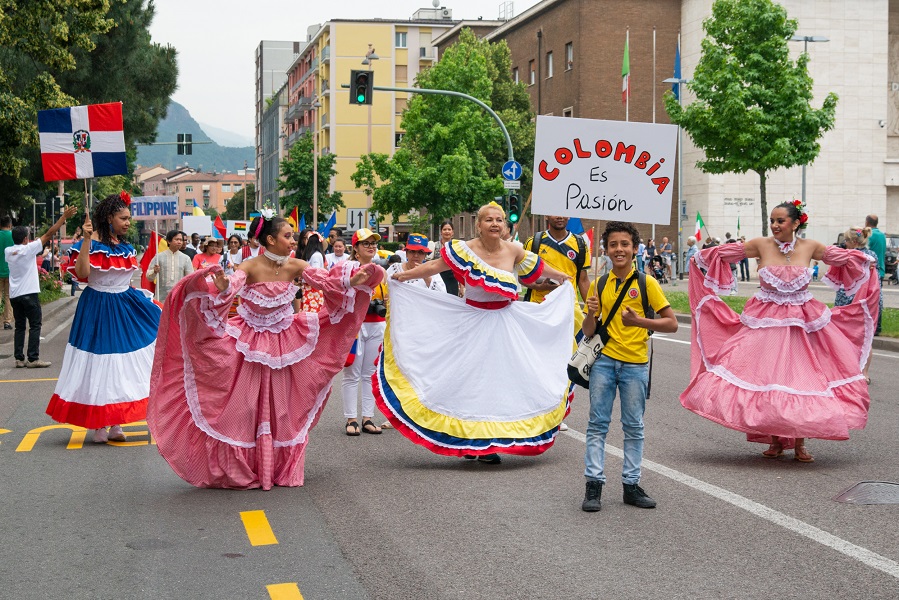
(27,380)
(284,591)
(258,529)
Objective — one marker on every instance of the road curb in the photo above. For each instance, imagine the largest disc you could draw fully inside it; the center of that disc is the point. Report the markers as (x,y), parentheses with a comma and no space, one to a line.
(878,343)
(48,311)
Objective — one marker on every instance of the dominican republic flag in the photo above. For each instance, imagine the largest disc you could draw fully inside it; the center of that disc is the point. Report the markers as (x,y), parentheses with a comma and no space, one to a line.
(81,142)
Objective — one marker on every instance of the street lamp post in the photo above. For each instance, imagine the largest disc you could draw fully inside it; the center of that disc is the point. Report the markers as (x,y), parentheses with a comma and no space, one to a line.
(315,106)
(369,56)
(805,39)
(681,202)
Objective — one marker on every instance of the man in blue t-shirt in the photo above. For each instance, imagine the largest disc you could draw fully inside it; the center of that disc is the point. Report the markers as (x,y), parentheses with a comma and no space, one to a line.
(877,243)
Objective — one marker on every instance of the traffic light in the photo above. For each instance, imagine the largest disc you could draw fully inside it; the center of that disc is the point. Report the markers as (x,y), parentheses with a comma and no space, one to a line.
(361,84)
(185,143)
(514,209)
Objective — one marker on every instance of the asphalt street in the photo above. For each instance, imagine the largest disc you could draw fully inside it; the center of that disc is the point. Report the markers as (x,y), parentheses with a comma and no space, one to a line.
(380,517)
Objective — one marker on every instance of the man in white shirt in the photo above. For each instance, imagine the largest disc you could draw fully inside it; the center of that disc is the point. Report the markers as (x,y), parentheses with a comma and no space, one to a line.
(169,266)
(24,287)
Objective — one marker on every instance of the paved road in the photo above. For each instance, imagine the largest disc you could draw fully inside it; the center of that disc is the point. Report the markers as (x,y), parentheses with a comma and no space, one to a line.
(382,518)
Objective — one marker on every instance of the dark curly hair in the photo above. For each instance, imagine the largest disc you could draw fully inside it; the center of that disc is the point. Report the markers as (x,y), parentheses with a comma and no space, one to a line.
(107,207)
(269,227)
(616,226)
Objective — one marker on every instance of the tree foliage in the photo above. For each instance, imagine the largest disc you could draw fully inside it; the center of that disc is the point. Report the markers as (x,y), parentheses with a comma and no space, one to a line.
(753,103)
(241,204)
(38,38)
(450,157)
(58,53)
(297,178)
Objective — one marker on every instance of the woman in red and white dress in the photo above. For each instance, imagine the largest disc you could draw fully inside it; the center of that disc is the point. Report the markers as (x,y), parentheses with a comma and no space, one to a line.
(232,401)
(788,367)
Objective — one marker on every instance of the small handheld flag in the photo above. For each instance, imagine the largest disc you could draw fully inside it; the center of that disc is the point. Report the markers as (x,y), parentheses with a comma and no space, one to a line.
(699,225)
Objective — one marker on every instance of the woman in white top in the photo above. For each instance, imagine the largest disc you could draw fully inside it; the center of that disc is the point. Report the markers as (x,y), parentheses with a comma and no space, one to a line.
(233,254)
(339,255)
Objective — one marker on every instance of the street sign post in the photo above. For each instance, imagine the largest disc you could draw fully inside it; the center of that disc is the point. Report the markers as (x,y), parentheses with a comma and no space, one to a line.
(355,219)
(512,185)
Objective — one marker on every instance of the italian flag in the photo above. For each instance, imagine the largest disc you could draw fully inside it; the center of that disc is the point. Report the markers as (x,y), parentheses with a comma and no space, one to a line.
(625,70)
(699,225)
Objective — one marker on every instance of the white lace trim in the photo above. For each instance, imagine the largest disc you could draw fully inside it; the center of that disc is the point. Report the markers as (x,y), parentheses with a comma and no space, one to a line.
(213,319)
(766,322)
(284,360)
(712,283)
(310,420)
(190,384)
(349,298)
(734,380)
(856,284)
(265,428)
(870,325)
(273,322)
(785,286)
(259,299)
(800,297)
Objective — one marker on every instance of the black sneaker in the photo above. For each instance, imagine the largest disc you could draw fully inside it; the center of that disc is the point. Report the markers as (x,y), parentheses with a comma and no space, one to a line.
(7,326)
(635,496)
(592,497)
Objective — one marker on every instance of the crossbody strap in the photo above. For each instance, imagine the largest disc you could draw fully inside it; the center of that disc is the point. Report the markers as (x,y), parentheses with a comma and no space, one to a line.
(624,288)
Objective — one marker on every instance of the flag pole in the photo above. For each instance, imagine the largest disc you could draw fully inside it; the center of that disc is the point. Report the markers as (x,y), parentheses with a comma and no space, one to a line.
(627,98)
(653,74)
(595,258)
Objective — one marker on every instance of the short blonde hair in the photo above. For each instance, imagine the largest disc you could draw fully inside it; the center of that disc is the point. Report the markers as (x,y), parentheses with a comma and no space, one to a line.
(858,235)
(488,206)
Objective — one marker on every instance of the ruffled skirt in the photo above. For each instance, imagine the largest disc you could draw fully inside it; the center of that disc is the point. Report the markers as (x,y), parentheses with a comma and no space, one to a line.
(461,380)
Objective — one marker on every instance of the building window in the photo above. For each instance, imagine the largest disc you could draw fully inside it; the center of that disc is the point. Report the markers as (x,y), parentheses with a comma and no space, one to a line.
(187,188)
(397,139)
(532,77)
(237,187)
(226,187)
(400,39)
(549,65)
(568,112)
(402,72)
(569,55)
(515,74)
(205,203)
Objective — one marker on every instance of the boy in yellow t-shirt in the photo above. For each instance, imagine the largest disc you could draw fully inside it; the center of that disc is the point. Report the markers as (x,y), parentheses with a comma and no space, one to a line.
(622,366)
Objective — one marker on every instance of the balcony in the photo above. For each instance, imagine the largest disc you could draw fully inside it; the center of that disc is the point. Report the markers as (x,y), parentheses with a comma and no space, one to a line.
(427,53)
(326,121)
(326,54)
(325,87)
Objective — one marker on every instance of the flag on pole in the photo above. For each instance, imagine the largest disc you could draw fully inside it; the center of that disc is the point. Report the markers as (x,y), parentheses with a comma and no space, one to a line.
(219,226)
(81,142)
(197,211)
(738,226)
(626,70)
(675,87)
(575,225)
(302,224)
(332,221)
(152,249)
(699,225)
(292,218)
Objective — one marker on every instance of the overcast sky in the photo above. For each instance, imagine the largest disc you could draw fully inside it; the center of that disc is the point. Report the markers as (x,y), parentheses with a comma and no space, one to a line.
(216,42)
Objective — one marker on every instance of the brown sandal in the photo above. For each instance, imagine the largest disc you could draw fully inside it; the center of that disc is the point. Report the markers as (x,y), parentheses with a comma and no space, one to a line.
(775,450)
(801,455)
(352,428)
(369,427)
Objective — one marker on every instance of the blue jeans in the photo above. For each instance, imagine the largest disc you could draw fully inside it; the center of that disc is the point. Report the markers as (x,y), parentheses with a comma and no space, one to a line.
(606,377)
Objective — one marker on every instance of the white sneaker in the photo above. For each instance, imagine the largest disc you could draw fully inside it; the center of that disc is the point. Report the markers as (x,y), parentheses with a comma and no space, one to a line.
(101,436)
(563,427)
(116,434)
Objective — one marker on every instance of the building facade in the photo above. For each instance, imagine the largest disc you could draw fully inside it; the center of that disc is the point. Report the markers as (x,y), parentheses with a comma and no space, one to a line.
(272,149)
(318,105)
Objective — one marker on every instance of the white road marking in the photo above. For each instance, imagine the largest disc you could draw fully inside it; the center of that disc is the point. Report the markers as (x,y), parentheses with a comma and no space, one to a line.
(862,555)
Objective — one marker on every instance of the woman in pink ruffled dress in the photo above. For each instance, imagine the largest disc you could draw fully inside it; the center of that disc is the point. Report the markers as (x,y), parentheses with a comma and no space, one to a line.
(789,367)
(232,400)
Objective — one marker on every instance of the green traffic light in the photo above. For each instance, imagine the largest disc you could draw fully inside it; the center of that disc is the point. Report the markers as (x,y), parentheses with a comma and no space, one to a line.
(513,218)
(360,98)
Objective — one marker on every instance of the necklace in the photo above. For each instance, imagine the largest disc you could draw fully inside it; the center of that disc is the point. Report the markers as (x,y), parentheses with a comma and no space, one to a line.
(275,258)
(786,248)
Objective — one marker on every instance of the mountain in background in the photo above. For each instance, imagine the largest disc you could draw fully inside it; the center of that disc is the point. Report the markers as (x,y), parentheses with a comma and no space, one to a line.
(227,138)
(205,157)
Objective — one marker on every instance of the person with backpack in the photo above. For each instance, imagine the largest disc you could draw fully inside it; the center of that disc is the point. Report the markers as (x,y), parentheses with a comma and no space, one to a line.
(626,301)
(566,252)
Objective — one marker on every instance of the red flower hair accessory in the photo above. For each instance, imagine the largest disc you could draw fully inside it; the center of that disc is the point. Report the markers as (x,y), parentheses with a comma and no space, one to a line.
(803,216)
(126,198)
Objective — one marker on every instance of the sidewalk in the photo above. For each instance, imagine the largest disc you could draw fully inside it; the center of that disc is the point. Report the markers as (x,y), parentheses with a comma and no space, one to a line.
(48,311)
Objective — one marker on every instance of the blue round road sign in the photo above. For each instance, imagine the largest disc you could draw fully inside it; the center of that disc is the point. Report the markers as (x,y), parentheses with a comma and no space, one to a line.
(511,170)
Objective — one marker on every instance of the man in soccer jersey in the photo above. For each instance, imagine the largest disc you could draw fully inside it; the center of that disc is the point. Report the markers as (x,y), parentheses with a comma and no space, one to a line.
(566,252)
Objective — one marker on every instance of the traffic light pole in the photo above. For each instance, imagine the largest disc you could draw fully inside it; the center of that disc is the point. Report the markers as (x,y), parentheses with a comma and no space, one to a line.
(495,116)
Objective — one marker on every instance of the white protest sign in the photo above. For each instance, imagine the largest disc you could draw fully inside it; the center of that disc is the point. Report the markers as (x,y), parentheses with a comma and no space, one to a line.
(154,208)
(609,170)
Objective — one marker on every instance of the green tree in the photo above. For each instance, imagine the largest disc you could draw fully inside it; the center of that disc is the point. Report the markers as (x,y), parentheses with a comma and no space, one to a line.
(39,39)
(297,177)
(449,159)
(753,103)
(241,204)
